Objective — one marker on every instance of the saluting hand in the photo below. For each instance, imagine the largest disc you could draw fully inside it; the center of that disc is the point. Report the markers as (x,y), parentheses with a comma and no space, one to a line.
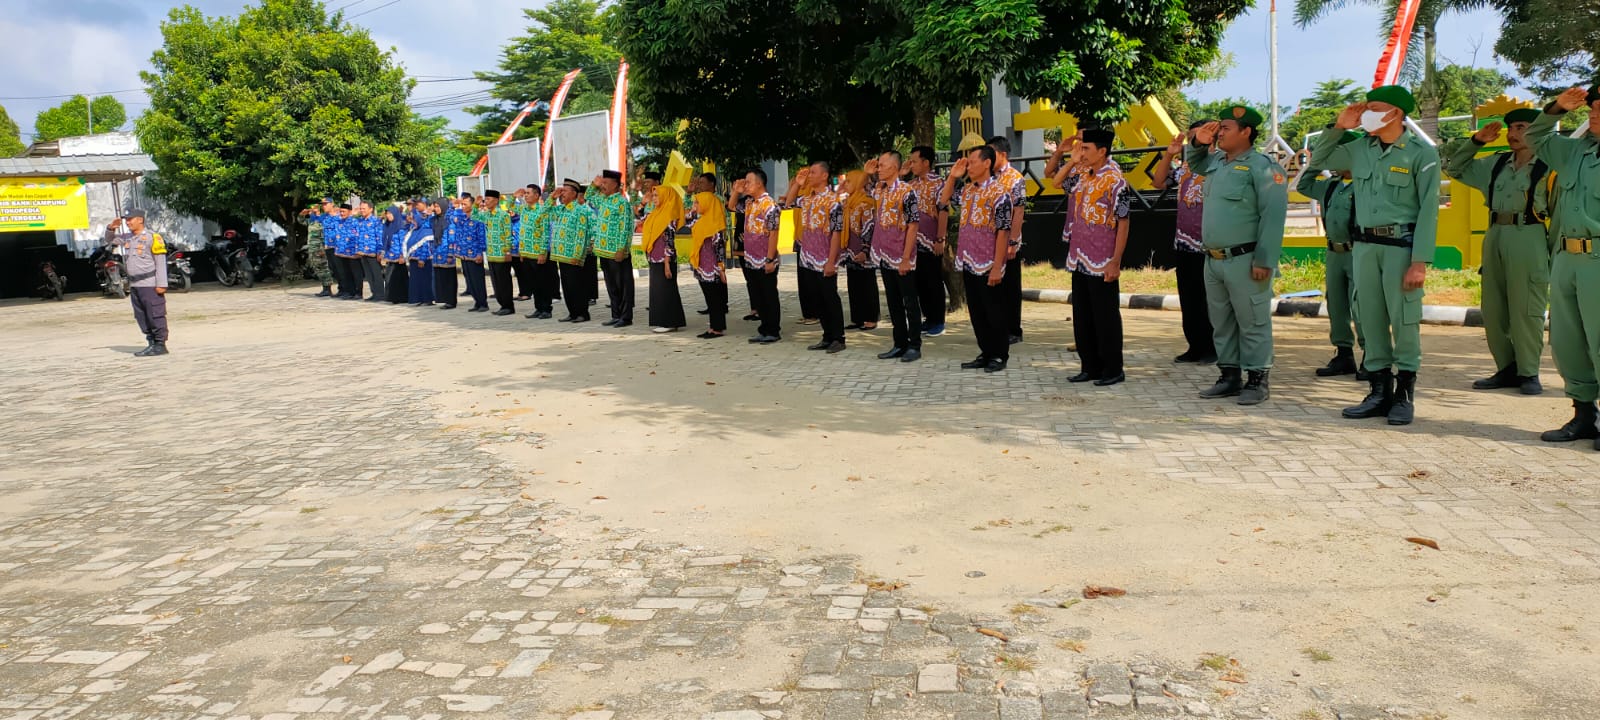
(1350,117)
(871,167)
(1572,99)
(1176,146)
(1488,133)
(959,170)
(1207,133)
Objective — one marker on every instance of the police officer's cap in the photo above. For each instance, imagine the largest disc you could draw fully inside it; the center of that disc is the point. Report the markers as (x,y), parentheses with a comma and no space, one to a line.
(1523,115)
(1394,95)
(133,213)
(1245,116)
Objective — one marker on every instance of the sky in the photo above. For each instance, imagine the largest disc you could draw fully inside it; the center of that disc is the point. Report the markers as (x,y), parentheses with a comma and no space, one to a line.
(63,47)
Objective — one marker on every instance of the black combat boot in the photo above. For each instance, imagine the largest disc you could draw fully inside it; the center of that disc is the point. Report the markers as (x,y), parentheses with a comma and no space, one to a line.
(1580,427)
(1343,363)
(1504,378)
(1255,389)
(1376,404)
(326,292)
(1405,398)
(1228,385)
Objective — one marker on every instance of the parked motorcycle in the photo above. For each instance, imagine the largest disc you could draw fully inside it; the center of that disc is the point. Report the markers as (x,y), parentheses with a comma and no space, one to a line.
(51,285)
(180,275)
(230,258)
(110,271)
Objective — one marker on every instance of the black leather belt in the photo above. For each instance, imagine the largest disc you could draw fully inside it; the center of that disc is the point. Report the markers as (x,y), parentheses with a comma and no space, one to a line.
(1389,231)
(1230,252)
(1403,242)
(1338,247)
(1509,218)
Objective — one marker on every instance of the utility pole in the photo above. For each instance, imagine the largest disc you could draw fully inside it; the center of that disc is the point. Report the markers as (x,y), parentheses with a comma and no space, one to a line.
(89,105)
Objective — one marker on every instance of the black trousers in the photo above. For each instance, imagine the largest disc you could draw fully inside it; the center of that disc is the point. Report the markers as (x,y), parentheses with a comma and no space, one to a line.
(987,315)
(808,294)
(335,270)
(862,284)
(546,284)
(575,288)
(930,287)
(150,311)
(591,270)
(619,287)
(750,283)
(347,270)
(1097,324)
(824,293)
(500,274)
(666,305)
(472,272)
(1011,286)
(1191,271)
(524,270)
(373,270)
(396,283)
(716,292)
(444,285)
(900,292)
(764,294)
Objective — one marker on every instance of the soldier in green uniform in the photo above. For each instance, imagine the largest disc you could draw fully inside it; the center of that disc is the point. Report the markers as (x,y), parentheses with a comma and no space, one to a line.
(1575,272)
(1246,201)
(1336,193)
(316,255)
(1516,250)
(1396,178)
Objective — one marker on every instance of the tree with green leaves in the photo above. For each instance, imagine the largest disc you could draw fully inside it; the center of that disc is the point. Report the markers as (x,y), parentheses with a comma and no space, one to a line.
(256,116)
(10,136)
(1554,41)
(1462,89)
(71,118)
(450,163)
(840,80)
(1317,110)
(1424,35)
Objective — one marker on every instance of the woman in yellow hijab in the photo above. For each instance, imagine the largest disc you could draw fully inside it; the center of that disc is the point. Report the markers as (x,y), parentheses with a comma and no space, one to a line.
(861,277)
(659,234)
(707,255)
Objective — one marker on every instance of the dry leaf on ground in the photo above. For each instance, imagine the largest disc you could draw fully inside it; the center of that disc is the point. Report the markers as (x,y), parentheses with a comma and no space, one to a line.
(1423,542)
(996,634)
(1095,591)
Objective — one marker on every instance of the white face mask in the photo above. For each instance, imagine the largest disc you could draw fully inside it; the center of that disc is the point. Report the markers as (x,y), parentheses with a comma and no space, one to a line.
(1373,121)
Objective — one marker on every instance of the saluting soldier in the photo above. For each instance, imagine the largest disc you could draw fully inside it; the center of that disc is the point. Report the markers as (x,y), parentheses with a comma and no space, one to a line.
(145,254)
(1575,271)
(1336,194)
(1396,177)
(1516,250)
(319,255)
(1246,201)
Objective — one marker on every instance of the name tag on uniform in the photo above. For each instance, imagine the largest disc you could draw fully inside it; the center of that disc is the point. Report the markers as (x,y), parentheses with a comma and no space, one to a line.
(1246,168)
(1393,168)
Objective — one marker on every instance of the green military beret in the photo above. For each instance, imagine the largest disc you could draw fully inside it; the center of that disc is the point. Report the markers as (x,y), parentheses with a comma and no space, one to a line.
(1350,136)
(1394,95)
(1246,117)
(1526,115)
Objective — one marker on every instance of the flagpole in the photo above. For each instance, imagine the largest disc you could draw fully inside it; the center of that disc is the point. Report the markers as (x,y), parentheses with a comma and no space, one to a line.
(1272,100)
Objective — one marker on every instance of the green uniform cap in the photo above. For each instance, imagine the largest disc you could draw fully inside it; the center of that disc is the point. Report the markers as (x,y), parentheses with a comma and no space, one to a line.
(1526,115)
(1245,116)
(1394,95)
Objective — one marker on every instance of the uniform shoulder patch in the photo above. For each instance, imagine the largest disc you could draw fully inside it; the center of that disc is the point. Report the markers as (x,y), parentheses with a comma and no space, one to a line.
(157,245)
(1278,178)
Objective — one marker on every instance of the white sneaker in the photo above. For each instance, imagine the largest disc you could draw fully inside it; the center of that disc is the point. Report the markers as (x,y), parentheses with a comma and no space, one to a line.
(662,329)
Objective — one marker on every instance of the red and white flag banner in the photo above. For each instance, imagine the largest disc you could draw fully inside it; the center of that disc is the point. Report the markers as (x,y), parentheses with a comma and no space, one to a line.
(1394,51)
(619,121)
(556,102)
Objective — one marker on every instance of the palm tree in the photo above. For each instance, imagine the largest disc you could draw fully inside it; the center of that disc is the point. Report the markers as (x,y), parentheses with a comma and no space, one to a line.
(1424,33)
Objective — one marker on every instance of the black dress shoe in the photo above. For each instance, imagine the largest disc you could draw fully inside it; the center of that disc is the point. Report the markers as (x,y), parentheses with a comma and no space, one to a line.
(1109,381)
(581,318)
(708,335)
(1530,385)
(704,311)
(752,317)
(568,318)
(623,323)
(819,346)
(892,354)
(911,355)
(1503,378)
(765,339)
(1014,339)
(479,309)
(609,323)
(853,326)
(836,346)
(975,364)
(447,307)
(504,311)
(523,298)
(533,315)
(1081,377)
(995,366)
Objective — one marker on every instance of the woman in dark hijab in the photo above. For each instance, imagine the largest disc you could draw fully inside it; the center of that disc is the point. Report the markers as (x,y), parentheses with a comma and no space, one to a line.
(395,285)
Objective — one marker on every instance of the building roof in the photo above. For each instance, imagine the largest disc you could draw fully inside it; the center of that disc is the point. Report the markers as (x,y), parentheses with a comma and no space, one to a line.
(92,168)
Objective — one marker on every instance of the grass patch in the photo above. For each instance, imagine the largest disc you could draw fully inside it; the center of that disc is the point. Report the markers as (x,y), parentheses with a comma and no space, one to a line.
(1443,287)
(615,622)
(1020,609)
(1015,663)
(308,510)
(1213,661)
(1052,530)
(1316,654)
(1309,715)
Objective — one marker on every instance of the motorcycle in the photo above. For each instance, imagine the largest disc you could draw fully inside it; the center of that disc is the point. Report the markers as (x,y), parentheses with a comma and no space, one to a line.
(230,258)
(51,285)
(180,275)
(110,271)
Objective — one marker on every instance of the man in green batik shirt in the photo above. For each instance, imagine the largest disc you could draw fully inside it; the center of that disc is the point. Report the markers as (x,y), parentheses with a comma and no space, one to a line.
(497,249)
(571,237)
(613,244)
(1246,201)
(1575,272)
(1336,194)
(1516,249)
(1396,177)
(535,249)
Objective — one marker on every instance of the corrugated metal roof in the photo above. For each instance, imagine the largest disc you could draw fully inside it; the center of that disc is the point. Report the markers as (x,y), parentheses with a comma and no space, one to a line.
(90,167)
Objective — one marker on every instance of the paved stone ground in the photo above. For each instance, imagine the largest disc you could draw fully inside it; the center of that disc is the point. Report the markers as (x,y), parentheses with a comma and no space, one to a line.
(186,551)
